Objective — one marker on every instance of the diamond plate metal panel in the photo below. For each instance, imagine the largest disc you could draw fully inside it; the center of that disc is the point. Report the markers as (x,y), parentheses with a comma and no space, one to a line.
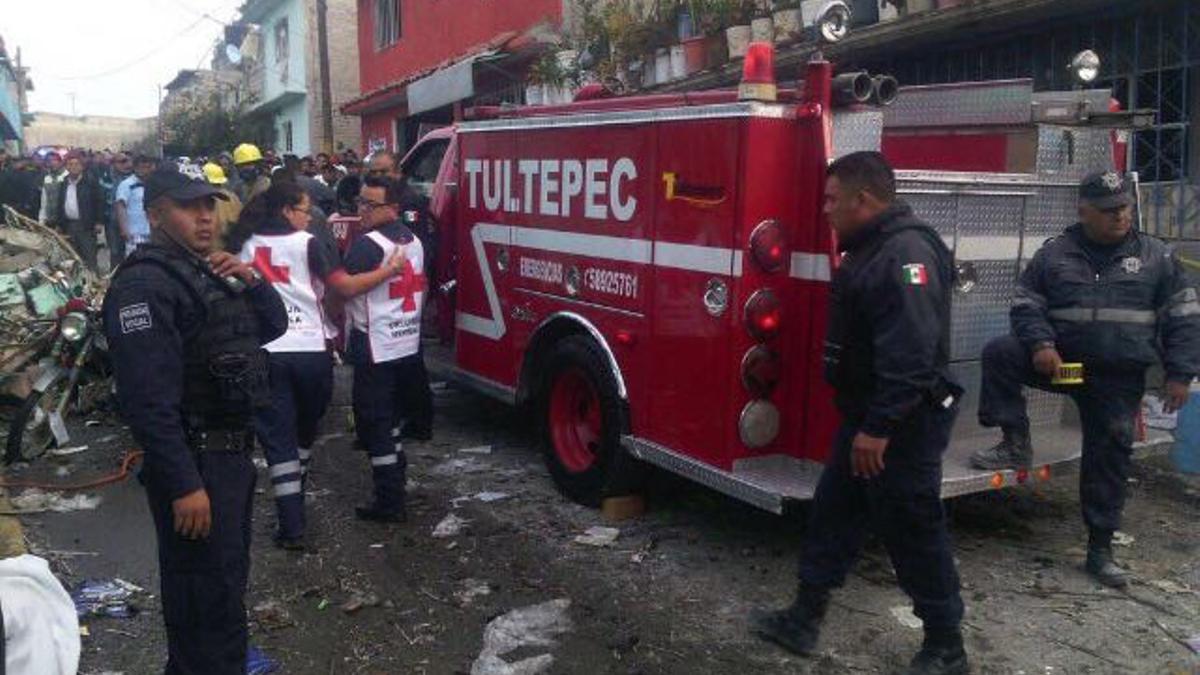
(982,314)
(856,130)
(1072,153)
(1049,414)
(939,210)
(1006,102)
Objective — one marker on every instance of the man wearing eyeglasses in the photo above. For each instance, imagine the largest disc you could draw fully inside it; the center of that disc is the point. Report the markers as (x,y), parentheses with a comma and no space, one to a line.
(1116,300)
(384,342)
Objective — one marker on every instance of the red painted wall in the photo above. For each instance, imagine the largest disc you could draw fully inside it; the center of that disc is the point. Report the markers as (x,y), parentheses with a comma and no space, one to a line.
(435,30)
(379,125)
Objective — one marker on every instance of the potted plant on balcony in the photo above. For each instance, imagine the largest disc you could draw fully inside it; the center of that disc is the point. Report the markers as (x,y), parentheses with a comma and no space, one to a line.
(762,26)
(737,35)
(547,79)
(712,17)
(789,23)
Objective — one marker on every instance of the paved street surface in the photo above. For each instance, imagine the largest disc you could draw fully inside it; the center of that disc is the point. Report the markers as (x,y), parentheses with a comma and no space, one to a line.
(670,595)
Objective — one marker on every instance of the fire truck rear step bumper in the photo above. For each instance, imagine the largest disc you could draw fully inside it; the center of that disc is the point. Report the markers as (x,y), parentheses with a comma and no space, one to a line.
(770,481)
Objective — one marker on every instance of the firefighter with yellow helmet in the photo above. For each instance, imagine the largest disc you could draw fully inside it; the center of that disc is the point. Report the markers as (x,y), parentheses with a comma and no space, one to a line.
(228,211)
(252,169)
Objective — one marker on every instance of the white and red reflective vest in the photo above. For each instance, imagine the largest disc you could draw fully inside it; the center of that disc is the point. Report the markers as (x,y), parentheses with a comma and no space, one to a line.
(282,259)
(390,313)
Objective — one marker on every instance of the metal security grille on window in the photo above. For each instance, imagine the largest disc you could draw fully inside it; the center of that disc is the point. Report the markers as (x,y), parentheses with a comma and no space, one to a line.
(387,22)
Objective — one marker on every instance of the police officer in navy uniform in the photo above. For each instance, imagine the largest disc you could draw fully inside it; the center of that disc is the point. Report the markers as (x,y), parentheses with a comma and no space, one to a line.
(384,341)
(185,326)
(1112,298)
(886,356)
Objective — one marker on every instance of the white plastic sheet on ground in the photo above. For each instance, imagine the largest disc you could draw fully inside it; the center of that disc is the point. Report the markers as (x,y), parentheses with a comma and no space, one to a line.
(40,625)
(533,626)
(35,500)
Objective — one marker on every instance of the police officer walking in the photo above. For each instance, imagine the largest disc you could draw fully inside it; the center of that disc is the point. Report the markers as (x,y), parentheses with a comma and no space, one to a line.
(1104,295)
(886,356)
(384,339)
(185,326)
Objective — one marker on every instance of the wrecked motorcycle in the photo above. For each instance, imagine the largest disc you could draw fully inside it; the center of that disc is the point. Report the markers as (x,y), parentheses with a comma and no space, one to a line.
(75,376)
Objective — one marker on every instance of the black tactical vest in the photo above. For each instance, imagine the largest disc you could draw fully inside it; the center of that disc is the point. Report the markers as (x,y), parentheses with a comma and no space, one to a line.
(225,368)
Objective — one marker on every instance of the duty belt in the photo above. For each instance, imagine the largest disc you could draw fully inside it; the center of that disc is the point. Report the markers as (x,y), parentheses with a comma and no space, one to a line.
(1144,317)
(221,440)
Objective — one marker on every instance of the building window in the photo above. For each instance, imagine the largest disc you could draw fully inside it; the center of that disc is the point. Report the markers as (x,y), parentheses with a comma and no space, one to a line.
(281,49)
(387,23)
(287,135)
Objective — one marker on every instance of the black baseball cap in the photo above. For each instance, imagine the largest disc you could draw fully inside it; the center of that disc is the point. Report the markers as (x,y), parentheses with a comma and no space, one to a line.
(169,182)
(1105,190)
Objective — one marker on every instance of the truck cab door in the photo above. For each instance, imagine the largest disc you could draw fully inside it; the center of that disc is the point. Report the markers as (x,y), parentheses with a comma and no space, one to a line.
(431,169)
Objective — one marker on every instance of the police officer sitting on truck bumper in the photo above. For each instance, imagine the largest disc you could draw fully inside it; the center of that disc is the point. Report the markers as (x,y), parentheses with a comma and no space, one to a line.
(886,355)
(185,327)
(1107,296)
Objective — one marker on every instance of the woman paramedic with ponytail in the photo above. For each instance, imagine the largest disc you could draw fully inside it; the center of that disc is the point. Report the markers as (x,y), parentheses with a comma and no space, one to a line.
(301,361)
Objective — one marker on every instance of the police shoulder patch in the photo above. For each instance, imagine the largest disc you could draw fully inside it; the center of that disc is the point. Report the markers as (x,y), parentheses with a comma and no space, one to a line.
(135,317)
(914,274)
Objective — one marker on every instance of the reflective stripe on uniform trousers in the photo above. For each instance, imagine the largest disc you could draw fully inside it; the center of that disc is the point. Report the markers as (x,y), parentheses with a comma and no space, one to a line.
(396,437)
(1108,314)
(285,478)
(385,460)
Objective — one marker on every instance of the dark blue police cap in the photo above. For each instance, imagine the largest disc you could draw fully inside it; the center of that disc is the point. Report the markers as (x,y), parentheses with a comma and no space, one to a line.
(1105,190)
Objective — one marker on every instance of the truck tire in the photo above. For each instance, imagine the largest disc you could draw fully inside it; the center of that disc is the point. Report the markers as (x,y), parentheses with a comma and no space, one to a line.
(582,418)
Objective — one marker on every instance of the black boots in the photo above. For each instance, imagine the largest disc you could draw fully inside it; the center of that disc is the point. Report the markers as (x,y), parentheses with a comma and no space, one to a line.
(378,514)
(796,628)
(941,653)
(1014,452)
(1100,562)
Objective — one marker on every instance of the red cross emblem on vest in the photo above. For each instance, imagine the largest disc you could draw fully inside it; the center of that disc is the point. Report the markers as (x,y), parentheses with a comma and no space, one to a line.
(273,274)
(406,286)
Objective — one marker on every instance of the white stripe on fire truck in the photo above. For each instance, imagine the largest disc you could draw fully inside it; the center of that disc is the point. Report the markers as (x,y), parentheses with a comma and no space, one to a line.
(810,266)
(688,257)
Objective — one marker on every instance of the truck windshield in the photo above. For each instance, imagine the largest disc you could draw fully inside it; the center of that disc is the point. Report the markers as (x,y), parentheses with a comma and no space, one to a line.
(422,166)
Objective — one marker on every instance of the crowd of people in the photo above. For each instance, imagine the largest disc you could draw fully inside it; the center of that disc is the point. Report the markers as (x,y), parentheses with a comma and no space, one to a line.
(95,197)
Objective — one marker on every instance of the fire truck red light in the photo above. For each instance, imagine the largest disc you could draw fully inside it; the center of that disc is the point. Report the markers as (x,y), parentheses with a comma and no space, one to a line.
(625,337)
(759,67)
(1022,476)
(762,314)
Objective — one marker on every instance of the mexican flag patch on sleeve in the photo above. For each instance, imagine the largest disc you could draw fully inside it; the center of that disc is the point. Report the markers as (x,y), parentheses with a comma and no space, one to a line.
(914,274)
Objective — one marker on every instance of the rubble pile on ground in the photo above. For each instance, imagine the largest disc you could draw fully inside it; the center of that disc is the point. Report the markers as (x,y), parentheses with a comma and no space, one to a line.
(39,273)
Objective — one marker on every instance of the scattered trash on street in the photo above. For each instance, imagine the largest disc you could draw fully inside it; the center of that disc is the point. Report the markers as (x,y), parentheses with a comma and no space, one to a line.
(472,588)
(272,615)
(1122,539)
(904,614)
(449,526)
(598,536)
(358,601)
(488,497)
(258,663)
(477,450)
(524,628)
(109,598)
(71,450)
(37,501)
(454,467)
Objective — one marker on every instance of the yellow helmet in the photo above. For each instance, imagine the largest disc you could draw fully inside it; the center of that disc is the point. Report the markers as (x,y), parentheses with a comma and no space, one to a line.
(246,153)
(214,174)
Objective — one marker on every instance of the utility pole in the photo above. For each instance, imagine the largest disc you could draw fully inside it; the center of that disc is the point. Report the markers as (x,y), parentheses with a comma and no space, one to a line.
(326,89)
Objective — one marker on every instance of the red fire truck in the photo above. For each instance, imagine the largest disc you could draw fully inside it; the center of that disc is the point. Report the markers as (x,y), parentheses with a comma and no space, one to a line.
(650,275)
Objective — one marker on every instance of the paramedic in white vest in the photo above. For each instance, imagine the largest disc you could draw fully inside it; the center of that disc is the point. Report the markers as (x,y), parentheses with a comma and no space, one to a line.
(301,362)
(385,334)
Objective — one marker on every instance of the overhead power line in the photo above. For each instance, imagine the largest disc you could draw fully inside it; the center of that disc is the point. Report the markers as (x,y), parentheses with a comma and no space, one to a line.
(133,62)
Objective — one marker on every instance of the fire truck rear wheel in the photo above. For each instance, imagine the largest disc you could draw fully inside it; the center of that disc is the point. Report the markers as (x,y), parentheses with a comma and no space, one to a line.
(582,419)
